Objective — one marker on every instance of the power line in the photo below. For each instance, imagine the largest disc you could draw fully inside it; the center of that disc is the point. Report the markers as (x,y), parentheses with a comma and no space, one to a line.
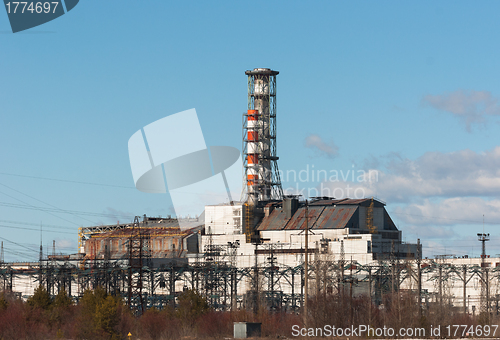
(20,251)
(24,228)
(36,224)
(36,199)
(62,211)
(103,185)
(18,244)
(442,218)
(69,181)
(29,205)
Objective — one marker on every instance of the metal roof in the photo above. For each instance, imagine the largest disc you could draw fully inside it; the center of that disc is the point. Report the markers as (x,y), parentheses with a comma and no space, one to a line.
(264,71)
(346,201)
(323,202)
(275,221)
(154,226)
(320,217)
(149,231)
(298,220)
(337,218)
(362,201)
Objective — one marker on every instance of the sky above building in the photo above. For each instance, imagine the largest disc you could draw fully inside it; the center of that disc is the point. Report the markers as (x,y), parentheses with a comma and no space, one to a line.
(396,100)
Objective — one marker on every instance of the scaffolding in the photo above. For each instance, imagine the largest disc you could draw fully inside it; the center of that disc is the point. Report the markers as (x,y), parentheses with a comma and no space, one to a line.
(249,220)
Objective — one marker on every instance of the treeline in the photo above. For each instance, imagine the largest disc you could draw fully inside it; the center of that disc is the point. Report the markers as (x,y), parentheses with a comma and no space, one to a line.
(400,310)
(98,315)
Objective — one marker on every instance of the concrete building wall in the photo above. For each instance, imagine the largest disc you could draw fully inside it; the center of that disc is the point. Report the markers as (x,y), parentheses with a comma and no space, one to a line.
(362,218)
(378,218)
(224,219)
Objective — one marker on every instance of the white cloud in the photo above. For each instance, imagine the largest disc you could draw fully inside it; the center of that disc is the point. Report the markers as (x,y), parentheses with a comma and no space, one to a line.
(315,142)
(434,189)
(470,106)
(427,231)
(437,174)
(451,211)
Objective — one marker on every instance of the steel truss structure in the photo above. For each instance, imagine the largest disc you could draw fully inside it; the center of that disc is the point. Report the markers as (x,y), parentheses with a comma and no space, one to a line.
(262,178)
(269,285)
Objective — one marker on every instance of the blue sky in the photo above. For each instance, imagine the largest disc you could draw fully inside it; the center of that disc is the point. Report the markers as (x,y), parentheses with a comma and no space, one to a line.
(409,89)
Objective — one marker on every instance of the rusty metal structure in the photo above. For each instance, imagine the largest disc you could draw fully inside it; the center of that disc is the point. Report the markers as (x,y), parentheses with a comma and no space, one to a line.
(369,218)
(327,213)
(326,277)
(261,178)
(165,240)
(259,138)
(146,282)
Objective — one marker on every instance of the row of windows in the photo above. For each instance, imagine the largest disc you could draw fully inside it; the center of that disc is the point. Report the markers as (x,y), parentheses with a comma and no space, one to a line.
(121,245)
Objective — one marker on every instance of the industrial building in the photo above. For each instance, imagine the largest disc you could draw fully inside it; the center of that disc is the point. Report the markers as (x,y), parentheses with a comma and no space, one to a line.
(264,224)
(264,218)
(242,252)
(166,239)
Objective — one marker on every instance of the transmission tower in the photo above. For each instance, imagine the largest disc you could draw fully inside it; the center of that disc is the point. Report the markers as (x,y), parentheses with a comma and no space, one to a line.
(138,251)
(485,291)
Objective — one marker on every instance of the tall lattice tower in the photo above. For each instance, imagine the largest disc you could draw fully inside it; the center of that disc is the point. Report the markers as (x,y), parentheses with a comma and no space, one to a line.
(262,179)
(485,288)
(139,255)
